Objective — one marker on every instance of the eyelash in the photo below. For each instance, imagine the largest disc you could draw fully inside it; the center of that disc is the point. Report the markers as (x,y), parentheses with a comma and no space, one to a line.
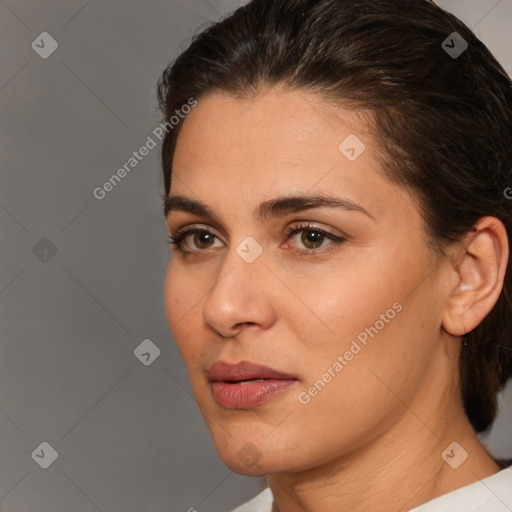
(177,241)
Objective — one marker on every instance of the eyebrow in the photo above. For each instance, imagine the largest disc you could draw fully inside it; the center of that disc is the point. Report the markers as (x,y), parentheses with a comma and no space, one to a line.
(279,206)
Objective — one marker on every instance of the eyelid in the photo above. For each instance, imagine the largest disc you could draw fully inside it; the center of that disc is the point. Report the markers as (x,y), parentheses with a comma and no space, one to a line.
(178,239)
(335,240)
(294,225)
(192,227)
(315,226)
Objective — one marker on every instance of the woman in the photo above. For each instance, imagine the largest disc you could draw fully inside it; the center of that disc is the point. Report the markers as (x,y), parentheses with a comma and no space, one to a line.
(340,281)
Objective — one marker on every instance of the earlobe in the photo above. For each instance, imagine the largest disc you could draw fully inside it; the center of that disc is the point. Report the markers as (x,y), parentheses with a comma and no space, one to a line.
(479,276)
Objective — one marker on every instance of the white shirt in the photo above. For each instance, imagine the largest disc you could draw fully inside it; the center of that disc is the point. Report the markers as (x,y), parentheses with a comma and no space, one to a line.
(492,494)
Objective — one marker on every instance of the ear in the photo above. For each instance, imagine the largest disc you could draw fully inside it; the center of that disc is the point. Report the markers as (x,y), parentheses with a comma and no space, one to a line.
(478,271)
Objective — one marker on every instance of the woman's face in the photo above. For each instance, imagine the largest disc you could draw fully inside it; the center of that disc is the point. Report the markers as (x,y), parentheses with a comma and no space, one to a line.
(351,323)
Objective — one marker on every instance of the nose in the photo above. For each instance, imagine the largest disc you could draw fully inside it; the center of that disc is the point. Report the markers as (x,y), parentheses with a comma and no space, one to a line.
(241,296)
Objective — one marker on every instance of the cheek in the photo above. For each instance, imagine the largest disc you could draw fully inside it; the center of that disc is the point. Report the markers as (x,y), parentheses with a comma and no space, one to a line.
(369,316)
(344,298)
(384,353)
(182,304)
(173,296)
(183,292)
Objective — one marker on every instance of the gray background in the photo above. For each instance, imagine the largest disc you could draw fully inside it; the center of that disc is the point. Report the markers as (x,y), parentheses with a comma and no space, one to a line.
(129,437)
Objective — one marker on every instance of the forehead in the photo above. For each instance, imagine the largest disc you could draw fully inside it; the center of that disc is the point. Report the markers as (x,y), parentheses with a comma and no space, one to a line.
(273,111)
(281,129)
(249,150)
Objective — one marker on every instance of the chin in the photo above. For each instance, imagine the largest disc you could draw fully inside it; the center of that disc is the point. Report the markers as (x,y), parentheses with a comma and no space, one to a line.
(241,468)
(250,454)
(244,463)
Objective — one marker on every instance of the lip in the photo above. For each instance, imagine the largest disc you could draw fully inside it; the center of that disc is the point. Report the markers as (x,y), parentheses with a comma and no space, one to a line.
(231,389)
(225,372)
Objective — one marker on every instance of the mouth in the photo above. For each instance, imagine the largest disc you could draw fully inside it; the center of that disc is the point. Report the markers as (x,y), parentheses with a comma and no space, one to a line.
(246,385)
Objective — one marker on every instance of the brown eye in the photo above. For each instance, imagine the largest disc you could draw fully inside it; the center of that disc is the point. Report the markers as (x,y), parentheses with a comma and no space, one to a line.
(203,239)
(312,239)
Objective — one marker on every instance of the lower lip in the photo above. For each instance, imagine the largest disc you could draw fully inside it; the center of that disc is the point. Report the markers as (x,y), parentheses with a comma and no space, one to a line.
(233,395)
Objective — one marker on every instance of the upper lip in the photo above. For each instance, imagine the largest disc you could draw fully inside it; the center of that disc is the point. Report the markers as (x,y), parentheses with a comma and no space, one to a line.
(221,371)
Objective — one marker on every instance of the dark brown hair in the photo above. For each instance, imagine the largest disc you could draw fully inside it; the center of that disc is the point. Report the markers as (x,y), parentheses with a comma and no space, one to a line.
(443,122)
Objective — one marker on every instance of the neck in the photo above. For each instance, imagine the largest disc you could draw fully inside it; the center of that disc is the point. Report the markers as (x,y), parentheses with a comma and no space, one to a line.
(373,476)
